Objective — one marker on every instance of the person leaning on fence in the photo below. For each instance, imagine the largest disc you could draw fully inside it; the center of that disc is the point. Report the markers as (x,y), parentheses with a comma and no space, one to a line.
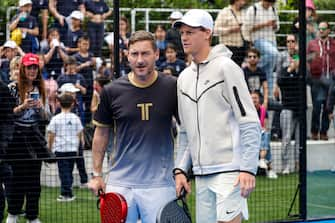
(140,107)
(7,103)
(30,109)
(228,26)
(221,125)
(65,132)
(262,22)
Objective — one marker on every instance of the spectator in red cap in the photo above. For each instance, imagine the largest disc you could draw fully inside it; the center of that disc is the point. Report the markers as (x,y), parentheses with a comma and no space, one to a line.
(27,139)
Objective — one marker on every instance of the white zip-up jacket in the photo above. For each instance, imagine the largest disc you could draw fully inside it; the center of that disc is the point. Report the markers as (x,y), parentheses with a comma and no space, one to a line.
(220,129)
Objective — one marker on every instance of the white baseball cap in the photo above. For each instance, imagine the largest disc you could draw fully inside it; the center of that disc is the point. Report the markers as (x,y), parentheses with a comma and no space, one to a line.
(10,44)
(77,15)
(68,87)
(196,18)
(176,15)
(24,2)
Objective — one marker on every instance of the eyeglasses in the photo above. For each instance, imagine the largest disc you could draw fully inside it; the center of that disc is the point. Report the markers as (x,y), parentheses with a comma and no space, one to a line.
(32,67)
(323,28)
(290,41)
(252,56)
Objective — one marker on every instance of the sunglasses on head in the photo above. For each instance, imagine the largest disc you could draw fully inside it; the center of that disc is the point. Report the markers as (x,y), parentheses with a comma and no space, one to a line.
(32,67)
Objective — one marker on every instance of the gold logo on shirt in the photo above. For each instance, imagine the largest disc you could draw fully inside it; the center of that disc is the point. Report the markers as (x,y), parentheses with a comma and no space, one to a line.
(145,110)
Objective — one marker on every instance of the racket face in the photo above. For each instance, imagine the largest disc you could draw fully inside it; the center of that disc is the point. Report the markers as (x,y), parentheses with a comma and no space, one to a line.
(172,212)
(113,208)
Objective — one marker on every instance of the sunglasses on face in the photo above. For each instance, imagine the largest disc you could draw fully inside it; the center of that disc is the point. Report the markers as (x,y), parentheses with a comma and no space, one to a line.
(32,67)
(290,41)
(252,56)
(323,28)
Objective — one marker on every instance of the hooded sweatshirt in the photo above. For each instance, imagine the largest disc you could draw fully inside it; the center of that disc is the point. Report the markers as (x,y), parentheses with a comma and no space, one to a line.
(220,129)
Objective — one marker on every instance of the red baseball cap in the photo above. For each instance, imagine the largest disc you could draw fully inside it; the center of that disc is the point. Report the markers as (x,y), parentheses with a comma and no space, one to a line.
(30,59)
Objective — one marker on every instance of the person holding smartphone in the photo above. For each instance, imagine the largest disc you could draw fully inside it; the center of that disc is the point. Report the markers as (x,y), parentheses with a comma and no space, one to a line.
(24,185)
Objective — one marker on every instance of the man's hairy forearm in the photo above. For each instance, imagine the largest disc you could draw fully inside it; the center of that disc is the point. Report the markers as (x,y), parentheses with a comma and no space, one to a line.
(100,142)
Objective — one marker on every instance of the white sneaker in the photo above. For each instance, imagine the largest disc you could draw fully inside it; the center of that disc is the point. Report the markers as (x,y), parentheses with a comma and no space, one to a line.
(272,174)
(83,186)
(286,170)
(12,218)
(262,164)
(62,198)
(34,221)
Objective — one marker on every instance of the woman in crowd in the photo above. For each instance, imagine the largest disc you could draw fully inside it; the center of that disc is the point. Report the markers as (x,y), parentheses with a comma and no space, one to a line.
(25,187)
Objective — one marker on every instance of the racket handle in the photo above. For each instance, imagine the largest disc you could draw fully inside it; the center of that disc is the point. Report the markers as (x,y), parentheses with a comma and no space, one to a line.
(101,192)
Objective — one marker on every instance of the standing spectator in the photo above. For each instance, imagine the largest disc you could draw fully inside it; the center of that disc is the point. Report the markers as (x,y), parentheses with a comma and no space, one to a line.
(265,157)
(212,95)
(228,26)
(160,35)
(262,22)
(172,60)
(86,63)
(7,103)
(143,155)
(311,24)
(64,135)
(74,33)
(40,8)
(27,25)
(54,53)
(320,58)
(173,35)
(60,10)
(288,82)
(255,76)
(7,52)
(24,186)
(96,11)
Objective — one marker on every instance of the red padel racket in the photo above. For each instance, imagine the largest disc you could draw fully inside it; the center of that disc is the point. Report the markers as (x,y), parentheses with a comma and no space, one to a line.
(113,207)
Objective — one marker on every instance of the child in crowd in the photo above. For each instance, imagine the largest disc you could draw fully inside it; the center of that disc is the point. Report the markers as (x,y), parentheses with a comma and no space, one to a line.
(265,150)
(160,34)
(7,52)
(99,84)
(74,32)
(172,60)
(54,53)
(24,28)
(65,132)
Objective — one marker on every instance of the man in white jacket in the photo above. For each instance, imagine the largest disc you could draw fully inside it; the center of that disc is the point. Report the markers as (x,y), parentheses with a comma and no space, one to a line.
(220,123)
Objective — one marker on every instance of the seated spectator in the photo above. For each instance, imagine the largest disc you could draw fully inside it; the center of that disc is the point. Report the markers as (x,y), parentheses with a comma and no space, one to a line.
(160,34)
(172,60)
(54,54)
(61,9)
(74,32)
(14,71)
(96,11)
(255,76)
(65,132)
(7,52)
(265,149)
(169,70)
(27,26)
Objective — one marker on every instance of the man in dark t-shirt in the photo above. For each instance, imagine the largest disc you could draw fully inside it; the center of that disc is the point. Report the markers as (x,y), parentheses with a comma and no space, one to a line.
(140,107)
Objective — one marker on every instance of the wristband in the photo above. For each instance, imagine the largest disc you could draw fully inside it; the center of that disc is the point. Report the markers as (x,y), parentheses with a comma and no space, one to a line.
(96,174)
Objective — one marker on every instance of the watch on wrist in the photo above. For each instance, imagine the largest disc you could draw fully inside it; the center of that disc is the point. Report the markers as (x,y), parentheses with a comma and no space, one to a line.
(96,174)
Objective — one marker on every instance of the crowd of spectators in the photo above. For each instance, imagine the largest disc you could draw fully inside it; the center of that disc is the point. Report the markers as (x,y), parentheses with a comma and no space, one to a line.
(70,58)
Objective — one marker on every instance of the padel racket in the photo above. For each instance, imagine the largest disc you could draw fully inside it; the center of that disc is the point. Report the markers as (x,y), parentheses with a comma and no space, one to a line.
(113,207)
(175,211)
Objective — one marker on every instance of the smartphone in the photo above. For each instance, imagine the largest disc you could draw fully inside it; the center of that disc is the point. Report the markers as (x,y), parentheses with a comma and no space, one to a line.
(34,95)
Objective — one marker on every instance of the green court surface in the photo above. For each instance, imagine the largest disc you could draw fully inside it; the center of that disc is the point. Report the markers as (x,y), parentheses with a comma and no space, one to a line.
(320,194)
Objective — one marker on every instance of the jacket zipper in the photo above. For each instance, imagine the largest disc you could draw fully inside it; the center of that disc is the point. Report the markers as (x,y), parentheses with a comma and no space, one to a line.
(198,124)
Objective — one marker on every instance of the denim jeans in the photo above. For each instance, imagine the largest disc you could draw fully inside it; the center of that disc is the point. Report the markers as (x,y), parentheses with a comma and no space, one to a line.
(65,169)
(268,60)
(80,162)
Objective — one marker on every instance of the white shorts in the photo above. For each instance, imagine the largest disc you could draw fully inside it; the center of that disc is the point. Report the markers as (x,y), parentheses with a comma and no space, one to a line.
(217,199)
(144,203)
